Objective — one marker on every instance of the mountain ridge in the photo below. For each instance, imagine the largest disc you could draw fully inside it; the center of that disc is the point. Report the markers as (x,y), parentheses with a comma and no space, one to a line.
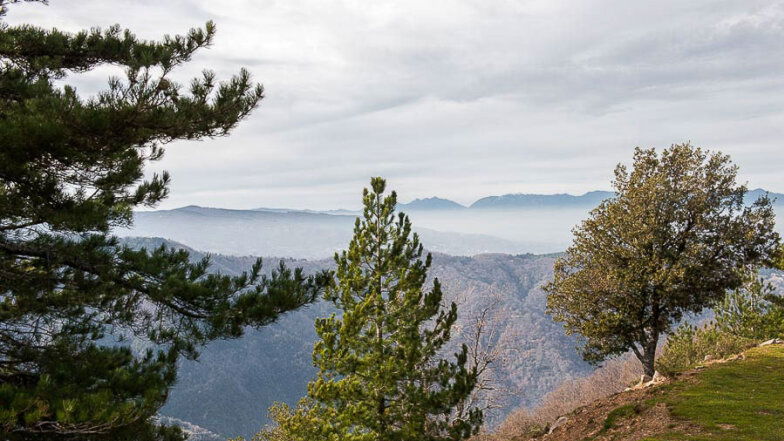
(511,201)
(431,203)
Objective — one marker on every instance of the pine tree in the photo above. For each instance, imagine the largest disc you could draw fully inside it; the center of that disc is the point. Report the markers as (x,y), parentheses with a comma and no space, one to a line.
(673,240)
(71,169)
(381,376)
(778,264)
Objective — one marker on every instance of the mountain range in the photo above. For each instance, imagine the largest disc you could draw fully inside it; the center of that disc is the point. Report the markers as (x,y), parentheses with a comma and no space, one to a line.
(525,200)
(511,224)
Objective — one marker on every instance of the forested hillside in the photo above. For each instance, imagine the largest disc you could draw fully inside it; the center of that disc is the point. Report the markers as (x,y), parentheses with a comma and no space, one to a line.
(230,388)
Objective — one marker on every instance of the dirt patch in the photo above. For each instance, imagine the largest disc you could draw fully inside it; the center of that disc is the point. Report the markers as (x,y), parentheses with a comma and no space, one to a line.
(627,416)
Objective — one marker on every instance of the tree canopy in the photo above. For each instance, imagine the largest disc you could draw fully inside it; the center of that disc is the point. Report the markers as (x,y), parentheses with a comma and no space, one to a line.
(71,295)
(676,236)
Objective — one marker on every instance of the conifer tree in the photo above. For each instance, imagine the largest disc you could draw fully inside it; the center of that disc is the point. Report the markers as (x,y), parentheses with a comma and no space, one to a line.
(675,237)
(779,265)
(380,373)
(71,169)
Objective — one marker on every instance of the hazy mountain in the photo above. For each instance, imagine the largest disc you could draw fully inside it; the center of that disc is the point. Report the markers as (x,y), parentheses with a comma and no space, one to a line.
(229,390)
(433,203)
(753,195)
(543,223)
(563,200)
(516,201)
(288,233)
(510,224)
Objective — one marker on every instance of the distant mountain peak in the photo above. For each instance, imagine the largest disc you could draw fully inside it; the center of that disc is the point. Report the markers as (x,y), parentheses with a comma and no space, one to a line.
(753,195)
(431,203)
(527,200)
(505,201)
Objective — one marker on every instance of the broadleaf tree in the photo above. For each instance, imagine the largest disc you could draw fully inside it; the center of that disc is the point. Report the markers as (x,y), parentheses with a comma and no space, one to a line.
(675,237)
(381,375)
(71,295)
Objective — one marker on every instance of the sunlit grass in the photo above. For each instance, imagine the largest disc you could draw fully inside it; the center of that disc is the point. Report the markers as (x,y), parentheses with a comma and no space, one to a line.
(736,401)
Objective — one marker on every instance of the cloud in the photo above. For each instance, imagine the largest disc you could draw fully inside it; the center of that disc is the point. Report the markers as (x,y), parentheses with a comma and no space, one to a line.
(463,98)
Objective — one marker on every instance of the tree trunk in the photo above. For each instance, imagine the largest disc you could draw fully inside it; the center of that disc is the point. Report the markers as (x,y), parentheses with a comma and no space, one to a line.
(647,354)
(648,361)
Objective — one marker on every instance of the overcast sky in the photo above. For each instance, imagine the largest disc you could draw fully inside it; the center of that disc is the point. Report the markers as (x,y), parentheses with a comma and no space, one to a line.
(463,98)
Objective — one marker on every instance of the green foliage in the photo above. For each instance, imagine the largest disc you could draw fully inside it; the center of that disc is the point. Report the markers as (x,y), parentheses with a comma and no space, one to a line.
(71,169)
(673,240)
(689,347)
(749,313)
(743,318)
(778,264)
(381,376)
(778,261)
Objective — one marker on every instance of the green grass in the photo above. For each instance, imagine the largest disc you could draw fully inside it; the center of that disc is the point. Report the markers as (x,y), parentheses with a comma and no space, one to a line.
(735,401)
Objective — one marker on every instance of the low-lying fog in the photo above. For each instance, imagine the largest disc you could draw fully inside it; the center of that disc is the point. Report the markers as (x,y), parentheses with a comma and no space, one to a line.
(313,235)
(541,230)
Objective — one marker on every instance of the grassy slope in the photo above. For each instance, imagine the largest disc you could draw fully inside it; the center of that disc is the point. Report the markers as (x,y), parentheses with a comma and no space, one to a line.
(737,401)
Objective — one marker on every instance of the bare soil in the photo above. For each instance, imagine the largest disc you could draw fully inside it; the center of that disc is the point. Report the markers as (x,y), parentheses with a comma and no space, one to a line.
(621,417)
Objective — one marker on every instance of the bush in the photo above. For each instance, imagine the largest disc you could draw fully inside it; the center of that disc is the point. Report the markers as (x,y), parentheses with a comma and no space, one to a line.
(742,319)
(689,346)
(749,312)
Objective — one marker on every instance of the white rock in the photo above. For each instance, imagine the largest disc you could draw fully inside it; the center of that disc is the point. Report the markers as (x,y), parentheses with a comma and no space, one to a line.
(772,341)
(558,423)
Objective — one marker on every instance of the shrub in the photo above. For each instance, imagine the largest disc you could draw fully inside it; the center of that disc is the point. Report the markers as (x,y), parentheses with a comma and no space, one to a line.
(742,319)
(750,313)
(689,346)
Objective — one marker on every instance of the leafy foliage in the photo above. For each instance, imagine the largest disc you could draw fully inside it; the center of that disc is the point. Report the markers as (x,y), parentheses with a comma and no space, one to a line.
(778,264)
(749,313)
(380,374)
(71,169)
(690,346)
(673,240)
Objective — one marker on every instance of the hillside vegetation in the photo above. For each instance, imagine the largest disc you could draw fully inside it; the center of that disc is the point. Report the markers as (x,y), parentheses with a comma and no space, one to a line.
(741,399)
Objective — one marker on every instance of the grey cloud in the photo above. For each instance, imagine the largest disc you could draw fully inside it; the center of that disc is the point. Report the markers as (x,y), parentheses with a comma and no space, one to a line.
(463,98)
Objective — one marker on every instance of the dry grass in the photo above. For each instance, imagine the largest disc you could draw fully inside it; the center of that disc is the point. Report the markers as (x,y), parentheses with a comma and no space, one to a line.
(613,377)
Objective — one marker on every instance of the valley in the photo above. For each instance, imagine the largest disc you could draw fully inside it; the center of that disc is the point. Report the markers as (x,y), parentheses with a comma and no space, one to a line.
(230,388)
